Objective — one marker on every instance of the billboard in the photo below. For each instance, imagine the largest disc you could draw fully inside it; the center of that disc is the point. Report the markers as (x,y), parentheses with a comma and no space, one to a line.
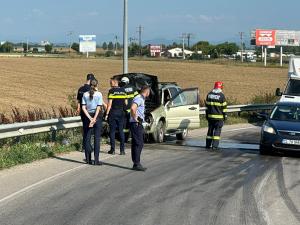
(155,50)
(287,38)
(265,37)
(87,43)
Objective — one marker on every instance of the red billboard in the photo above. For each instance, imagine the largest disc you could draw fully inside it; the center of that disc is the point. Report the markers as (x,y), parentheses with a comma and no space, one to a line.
(155,50)
(265,37)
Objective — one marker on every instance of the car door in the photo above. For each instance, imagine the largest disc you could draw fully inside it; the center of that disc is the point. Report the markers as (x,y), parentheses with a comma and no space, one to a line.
(182,111)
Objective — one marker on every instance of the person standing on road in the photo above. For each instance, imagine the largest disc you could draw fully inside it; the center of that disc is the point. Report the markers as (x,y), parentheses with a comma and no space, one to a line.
(216,115)
(131,93)
(117,101)
(92,106)
(137,117)
(83,89)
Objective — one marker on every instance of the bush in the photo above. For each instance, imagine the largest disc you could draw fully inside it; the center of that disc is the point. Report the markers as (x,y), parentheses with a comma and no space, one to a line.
(109,53)
(264,98)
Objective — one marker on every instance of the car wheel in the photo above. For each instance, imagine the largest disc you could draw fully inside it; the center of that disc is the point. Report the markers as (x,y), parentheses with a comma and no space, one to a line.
(263,150)
(159,134)
(182,136)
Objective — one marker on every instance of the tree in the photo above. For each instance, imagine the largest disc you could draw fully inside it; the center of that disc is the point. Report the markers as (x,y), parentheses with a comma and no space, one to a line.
(133,50)
(110,46)
(75,47)
(6,47)
(48,48)
(104,46)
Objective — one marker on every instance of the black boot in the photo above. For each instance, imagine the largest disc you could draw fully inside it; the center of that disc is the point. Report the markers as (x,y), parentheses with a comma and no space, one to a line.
(111,152)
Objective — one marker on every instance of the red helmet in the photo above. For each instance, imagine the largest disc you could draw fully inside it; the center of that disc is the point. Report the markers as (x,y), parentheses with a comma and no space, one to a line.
(219,85)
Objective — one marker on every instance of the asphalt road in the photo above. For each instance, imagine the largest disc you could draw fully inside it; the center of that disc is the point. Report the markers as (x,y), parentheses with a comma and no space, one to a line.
(184,184)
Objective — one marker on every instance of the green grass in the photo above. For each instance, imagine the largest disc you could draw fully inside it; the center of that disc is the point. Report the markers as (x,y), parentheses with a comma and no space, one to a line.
(35,147)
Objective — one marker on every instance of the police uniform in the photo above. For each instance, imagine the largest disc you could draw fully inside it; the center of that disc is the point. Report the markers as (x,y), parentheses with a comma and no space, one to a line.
(116,116)
(216,114)
(83,89)
(131,92)
(137,132)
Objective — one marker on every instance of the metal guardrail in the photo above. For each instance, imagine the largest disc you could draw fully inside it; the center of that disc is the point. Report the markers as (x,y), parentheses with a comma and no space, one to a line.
(52,125)
(243,108)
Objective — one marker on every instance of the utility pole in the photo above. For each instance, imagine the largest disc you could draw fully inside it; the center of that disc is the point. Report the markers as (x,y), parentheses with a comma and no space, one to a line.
(242,45)
(140,30)
(189,36)
(116,44)
(125,37)
(27,46)
(184,36)
(69,34)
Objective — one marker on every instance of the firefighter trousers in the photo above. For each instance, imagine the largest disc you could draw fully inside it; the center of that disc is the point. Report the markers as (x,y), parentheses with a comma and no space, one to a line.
(214,133)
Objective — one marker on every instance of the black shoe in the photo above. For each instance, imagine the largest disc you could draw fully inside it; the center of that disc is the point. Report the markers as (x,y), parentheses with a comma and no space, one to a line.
(89,162)
(207,147)
(111,152)
(122,153)
(139,168)
(98,163)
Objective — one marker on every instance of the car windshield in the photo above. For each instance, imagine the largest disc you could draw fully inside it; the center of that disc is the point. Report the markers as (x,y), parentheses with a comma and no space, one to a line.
(293,88)
(286,113)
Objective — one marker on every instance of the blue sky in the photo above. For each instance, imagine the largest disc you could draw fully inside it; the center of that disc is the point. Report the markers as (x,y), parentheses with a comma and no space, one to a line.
(213,20)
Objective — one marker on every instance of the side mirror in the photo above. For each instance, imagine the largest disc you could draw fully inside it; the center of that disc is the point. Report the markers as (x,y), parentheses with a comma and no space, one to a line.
(262,116)
(278,92)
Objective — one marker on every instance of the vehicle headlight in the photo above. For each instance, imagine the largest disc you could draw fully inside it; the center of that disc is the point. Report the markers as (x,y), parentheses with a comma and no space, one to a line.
(269,129)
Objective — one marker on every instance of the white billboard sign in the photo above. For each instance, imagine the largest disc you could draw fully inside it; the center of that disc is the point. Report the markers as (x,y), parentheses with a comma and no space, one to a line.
(287,38)
(87,43)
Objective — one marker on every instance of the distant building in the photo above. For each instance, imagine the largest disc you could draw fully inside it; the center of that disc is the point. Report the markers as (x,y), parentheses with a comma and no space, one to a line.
(44,43)
(177,53)
(2,42)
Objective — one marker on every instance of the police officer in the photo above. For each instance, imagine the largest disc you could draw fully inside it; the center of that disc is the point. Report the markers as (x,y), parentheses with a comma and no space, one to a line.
(117,101)
(131,92)
(137,117)
(216,115)
(83,89)
(92,103)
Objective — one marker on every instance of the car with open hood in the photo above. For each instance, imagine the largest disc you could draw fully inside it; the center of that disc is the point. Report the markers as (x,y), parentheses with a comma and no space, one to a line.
(169,109)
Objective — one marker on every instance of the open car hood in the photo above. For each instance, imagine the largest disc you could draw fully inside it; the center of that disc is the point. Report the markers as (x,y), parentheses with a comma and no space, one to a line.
(138,80)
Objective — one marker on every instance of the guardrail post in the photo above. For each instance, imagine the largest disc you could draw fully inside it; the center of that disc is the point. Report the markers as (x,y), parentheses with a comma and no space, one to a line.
(53,135)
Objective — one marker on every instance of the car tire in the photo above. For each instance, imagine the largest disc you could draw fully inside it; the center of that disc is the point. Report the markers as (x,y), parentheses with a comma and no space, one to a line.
(159,133)
(183,135)
(263,150)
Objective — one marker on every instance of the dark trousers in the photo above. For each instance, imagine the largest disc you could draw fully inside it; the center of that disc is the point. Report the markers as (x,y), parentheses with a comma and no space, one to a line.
(214,133)
(137,133)
(116,122)
(87,134)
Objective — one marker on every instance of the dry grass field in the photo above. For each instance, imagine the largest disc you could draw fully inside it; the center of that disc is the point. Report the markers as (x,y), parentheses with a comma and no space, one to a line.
(43,83)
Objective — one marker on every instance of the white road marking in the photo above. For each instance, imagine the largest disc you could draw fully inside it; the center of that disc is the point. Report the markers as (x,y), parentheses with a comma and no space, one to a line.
(32,186)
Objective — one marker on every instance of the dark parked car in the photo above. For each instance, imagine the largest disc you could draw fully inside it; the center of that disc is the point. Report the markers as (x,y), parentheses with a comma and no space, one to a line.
(281,130)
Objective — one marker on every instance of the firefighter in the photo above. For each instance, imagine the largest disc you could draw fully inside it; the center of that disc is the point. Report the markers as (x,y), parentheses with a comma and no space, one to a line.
(117,103)
(216,115)
(131,92)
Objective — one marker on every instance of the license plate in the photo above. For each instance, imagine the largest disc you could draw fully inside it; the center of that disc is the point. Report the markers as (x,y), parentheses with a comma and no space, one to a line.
(291,142)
